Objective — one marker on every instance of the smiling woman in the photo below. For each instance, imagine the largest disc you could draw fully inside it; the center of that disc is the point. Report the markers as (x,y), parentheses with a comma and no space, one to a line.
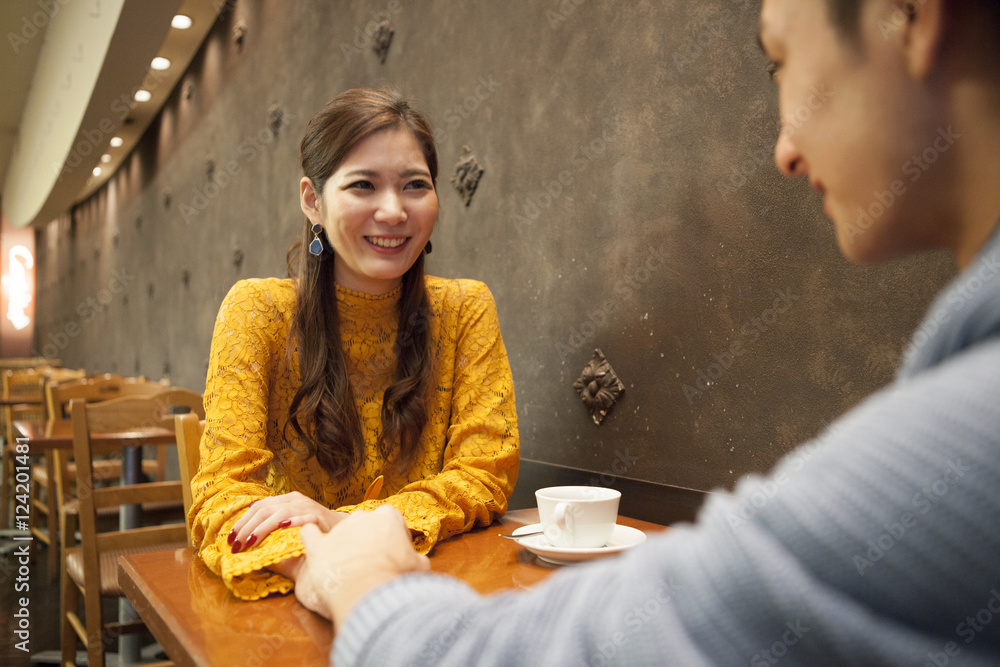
(359,367)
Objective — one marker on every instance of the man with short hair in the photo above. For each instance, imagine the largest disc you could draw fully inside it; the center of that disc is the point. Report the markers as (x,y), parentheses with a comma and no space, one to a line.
(879,546)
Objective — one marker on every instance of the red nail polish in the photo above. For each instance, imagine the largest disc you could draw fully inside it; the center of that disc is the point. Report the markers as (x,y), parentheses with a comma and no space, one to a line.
(252,540)
(232,537)
(237,547)
(284,524)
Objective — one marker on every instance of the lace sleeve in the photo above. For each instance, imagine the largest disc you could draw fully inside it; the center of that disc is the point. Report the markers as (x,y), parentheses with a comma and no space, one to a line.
(234,457)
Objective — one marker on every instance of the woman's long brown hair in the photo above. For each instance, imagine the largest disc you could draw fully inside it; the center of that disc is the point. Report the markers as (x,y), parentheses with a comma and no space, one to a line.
(323,412)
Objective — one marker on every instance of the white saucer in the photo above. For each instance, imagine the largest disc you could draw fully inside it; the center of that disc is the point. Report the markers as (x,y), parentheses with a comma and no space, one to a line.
(622,538)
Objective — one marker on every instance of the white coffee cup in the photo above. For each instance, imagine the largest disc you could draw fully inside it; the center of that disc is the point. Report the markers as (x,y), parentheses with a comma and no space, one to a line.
(578,516)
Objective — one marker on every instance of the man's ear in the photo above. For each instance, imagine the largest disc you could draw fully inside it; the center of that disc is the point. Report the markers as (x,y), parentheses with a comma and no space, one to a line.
(923,34)
(309,201)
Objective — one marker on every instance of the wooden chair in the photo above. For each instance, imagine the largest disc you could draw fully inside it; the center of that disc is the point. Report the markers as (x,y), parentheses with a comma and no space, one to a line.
(55,473)
(91,568)
(189,429)
(22,385)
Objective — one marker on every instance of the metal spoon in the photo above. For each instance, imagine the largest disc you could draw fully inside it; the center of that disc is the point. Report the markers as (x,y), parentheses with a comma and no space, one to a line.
(517,537)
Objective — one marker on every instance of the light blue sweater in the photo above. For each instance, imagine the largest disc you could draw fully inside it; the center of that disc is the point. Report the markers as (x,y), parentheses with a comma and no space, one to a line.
(876,544)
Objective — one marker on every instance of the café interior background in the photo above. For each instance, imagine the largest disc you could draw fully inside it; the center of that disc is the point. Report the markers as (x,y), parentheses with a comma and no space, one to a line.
(628,202)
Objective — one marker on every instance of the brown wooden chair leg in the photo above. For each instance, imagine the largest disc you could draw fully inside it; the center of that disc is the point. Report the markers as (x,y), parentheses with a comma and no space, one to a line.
(95,629)
(53,518)
(69,602)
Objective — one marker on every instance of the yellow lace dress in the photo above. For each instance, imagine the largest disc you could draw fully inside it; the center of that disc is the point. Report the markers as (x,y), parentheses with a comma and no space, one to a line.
(467,458)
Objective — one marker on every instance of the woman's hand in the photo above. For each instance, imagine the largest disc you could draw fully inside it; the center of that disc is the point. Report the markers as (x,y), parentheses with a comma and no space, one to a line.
(268,514)
(366,550)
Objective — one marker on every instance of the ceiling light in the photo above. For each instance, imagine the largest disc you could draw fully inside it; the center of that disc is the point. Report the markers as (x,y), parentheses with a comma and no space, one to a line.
(143,95)
(160,63)
(105,158)
(116,142)
(181,22)
(97,171)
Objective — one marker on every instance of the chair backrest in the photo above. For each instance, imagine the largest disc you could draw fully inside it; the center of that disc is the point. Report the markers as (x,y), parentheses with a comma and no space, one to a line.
(27,362)
(189,429)
(96,388)
(27,385)
(125,414)
(24,383)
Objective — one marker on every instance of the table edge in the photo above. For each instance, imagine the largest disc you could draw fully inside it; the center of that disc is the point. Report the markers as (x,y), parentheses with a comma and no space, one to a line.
(129,580)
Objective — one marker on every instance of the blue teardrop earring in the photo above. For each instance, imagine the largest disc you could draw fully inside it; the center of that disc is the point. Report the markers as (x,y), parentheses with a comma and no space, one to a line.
(316,245)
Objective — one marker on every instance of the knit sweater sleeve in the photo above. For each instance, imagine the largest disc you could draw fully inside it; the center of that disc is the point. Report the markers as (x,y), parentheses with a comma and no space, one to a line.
(234,455)
(874,544)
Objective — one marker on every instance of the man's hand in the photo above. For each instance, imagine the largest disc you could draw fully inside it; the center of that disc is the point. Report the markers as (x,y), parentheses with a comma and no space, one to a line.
(362,551)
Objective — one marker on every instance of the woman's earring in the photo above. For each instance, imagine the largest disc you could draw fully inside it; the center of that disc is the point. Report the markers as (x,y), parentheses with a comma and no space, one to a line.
(316,245)
(428,248)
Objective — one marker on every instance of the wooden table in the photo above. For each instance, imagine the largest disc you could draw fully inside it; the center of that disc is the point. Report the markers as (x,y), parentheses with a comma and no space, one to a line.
(201,623)
(44,435)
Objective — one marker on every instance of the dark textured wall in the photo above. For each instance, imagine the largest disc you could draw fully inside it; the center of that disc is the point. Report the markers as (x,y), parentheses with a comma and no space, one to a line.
(629,202)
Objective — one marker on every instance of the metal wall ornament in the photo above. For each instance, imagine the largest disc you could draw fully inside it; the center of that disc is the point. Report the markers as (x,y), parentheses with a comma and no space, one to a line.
(239,34)
(275,118)
(466,176)
(382,39)
(599,387)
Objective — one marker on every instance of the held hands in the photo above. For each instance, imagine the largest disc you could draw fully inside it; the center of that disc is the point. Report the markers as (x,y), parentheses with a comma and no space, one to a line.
(362,551)
(268,514)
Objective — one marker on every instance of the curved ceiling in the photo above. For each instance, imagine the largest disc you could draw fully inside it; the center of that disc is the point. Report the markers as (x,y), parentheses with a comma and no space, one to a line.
(76,69)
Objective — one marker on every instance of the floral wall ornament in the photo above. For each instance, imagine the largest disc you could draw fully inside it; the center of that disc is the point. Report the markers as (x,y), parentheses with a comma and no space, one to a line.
(466,176)
(275,118)
(598,387)
(239,34)
(382,39)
